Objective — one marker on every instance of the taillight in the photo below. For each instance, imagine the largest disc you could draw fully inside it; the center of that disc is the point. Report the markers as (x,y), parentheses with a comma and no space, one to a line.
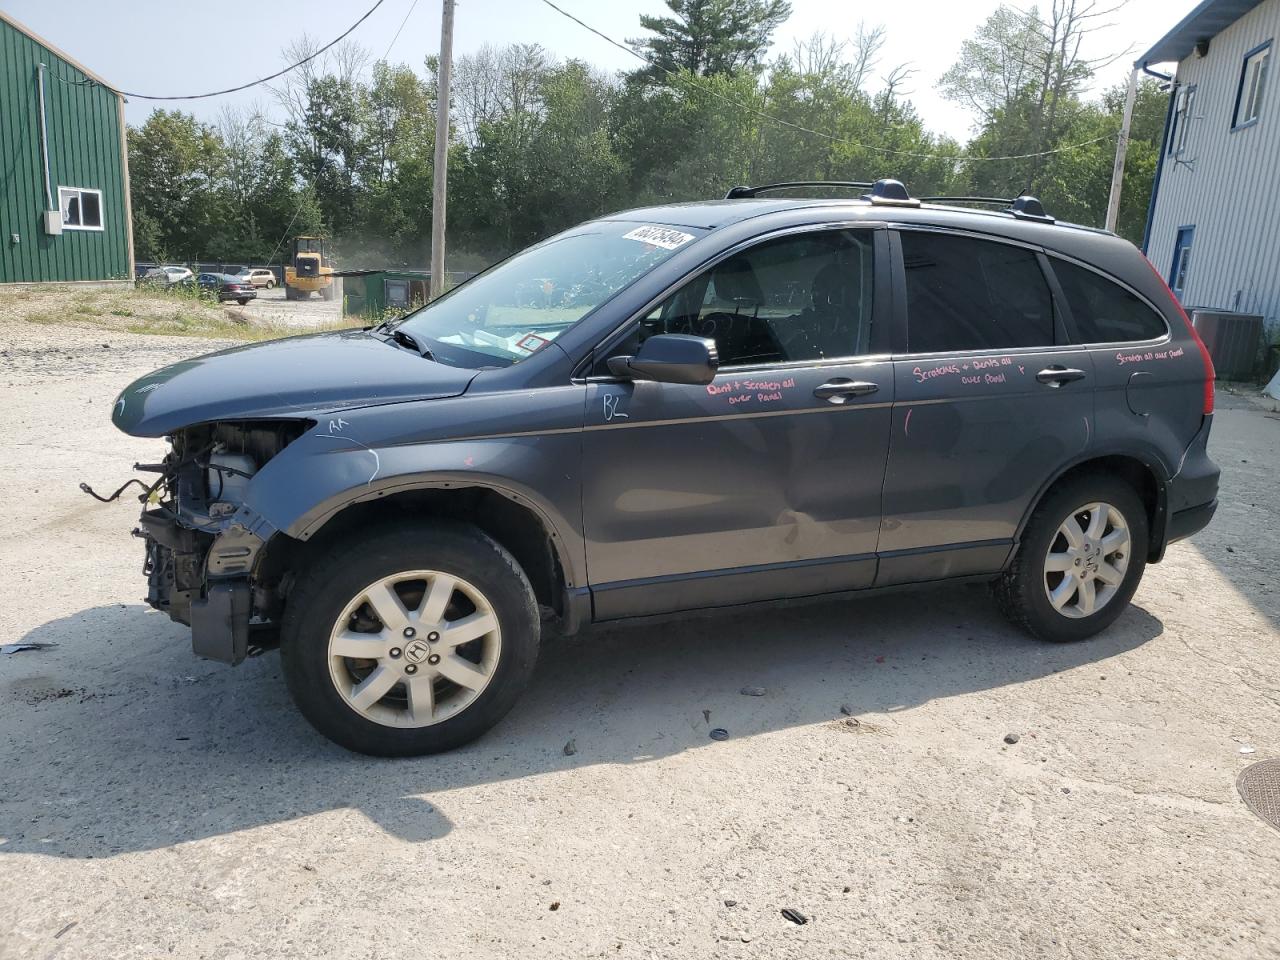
(1209,374)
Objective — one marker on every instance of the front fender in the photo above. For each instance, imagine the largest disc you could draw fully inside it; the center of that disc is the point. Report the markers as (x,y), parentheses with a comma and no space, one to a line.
(368,454)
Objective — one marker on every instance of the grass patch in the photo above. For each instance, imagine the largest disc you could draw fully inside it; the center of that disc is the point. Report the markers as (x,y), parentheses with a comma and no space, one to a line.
(157,311)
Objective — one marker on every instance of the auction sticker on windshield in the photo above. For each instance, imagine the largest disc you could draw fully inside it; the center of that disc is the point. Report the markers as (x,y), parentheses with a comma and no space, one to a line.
(663,237)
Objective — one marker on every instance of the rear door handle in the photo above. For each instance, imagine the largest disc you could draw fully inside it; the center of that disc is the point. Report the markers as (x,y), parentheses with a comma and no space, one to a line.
(1056,376)
(841,389)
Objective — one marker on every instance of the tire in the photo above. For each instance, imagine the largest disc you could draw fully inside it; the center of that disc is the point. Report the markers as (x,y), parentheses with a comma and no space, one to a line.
(270,284)
(243,301)
(1023,591)
(427,712)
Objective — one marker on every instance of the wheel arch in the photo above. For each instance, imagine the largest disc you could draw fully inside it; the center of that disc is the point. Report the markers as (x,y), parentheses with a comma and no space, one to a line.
(514,521)
(1147,475)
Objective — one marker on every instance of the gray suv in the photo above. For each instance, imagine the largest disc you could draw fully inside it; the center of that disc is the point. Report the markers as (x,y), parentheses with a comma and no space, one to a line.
(668,409)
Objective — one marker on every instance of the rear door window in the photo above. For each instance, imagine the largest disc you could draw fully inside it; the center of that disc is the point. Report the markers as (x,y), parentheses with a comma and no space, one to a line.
(969,294)
(1104,311)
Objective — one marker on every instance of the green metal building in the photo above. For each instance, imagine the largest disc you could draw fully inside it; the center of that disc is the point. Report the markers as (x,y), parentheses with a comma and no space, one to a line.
(64,167)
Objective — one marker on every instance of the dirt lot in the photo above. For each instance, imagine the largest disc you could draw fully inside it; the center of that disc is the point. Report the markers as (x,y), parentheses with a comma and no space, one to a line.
(156,805)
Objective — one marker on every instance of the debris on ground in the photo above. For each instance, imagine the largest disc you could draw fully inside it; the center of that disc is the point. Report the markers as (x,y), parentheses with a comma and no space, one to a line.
(571,748)
(752,691)
(846,710)
(731,903)
(719,733)
(1011,738)
(1246,749)
(555,904)
(25,645)
(65,929)
(706,716)
(795,916)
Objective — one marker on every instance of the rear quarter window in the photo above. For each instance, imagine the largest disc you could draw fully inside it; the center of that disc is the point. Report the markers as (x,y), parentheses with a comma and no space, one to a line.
(1104,311)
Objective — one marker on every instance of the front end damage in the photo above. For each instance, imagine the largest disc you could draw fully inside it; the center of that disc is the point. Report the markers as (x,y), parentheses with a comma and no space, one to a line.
(202,543)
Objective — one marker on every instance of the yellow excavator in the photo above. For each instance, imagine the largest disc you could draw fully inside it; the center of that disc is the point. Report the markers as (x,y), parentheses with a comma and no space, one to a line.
(309,270)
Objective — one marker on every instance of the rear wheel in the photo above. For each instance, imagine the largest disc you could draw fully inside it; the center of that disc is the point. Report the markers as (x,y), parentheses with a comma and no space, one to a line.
(270,284)
(1080,561)
(408,642)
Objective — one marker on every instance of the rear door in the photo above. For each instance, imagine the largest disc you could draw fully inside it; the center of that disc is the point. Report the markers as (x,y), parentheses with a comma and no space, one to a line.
(765,483)
(990,401)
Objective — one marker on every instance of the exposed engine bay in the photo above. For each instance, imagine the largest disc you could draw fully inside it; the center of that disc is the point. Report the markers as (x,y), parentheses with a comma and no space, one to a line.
(203,483)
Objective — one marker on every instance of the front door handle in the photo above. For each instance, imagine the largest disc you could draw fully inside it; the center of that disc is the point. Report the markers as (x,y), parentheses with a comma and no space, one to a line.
(841,389)
(1056,376)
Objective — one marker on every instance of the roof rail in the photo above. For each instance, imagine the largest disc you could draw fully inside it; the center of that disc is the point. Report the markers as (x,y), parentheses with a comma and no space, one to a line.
(1023,207)
(740,193)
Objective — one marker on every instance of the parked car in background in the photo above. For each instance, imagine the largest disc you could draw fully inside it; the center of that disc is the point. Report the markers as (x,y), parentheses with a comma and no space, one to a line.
(257,278)
(752,399)
(165,275)
(226,287)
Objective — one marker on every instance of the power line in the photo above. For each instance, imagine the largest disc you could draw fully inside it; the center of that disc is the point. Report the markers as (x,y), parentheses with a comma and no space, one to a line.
(398,29)
(817,133)
(254,83)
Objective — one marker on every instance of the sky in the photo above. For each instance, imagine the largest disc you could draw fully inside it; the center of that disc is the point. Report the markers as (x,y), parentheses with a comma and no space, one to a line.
(179,47)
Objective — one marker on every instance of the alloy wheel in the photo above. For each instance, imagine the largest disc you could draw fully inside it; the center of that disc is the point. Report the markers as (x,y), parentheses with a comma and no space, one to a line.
(1087,560)
(414,648)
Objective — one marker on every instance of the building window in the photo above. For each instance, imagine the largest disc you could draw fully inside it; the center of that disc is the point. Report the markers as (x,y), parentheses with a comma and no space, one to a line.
(1181,121)
(1181,261)
(1253,85)
(81,208)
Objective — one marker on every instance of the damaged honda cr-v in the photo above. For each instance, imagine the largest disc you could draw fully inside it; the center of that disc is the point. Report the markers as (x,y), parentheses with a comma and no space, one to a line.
(670,409)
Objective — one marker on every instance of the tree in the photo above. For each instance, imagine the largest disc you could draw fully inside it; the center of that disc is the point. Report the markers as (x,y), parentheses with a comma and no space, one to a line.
(709,37)
(1023,73)
(175,168)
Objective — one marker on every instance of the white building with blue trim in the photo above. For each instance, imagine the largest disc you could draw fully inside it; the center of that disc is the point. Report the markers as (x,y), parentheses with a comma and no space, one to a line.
(1213,229)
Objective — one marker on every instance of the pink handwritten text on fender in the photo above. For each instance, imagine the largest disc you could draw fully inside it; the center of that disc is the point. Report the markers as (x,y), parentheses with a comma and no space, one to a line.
(1123,358)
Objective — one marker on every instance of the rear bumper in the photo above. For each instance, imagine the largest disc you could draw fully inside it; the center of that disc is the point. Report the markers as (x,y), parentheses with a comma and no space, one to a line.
(1192,520)
(1192,495)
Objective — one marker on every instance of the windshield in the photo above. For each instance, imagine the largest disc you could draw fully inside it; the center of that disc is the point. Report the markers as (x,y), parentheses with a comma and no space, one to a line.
(516,308)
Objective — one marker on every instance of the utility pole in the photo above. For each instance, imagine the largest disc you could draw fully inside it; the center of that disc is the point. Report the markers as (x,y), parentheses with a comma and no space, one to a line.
(440,174)
(1122,148)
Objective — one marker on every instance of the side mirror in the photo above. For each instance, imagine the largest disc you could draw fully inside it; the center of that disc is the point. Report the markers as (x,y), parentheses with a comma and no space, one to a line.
(670,358)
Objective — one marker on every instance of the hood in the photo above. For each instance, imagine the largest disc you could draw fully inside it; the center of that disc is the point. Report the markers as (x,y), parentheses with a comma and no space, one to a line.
(283,378)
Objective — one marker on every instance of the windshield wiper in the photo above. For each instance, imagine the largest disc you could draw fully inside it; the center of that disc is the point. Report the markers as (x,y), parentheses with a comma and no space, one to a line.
(406,339)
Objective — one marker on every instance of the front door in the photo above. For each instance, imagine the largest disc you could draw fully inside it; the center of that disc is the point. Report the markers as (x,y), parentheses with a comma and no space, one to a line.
(766,482)
(990,401)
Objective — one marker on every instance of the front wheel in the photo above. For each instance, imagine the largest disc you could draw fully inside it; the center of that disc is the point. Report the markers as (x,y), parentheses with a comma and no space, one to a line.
(1080,560)
(243,301)
(410,641)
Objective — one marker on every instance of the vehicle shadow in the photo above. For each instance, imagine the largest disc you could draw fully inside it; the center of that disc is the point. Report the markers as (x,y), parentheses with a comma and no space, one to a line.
(126,743)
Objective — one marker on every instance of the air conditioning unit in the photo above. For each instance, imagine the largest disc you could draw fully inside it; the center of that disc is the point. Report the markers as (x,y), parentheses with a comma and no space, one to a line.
(53,222)
(1232,339)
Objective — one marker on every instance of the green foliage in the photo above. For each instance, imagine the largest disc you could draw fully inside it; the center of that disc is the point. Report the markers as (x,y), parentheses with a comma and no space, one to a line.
(539,145)
(709,37)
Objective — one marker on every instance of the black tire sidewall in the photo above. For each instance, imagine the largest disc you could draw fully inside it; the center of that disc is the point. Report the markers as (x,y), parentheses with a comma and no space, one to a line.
(1036,611)
(328,586)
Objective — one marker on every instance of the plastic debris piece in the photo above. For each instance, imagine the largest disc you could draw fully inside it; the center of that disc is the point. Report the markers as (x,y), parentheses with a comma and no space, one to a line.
(719,733)
(752,691)
(571,748)
(25,645)
(795,916)
(1246,749)
(1011,738)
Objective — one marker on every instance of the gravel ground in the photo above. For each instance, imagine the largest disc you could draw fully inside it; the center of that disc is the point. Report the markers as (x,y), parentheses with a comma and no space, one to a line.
(157,805)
